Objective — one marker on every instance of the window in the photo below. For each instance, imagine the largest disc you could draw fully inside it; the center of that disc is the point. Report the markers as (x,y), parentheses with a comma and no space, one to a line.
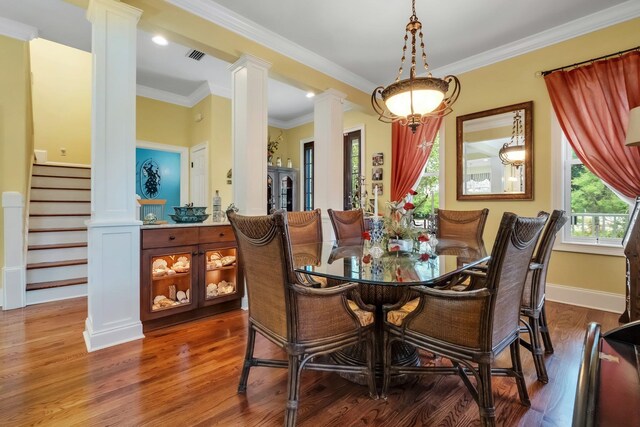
(308,175)
(352,169)
(428,189)
(597,216)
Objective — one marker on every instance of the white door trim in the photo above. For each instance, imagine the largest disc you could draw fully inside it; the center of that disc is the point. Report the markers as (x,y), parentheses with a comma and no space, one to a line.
(184,164)
(202,146)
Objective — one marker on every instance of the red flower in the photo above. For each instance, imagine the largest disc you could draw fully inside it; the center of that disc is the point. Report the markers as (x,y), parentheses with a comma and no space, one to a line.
(413,192)
(424,257)
(394,248)
(408,206)
(423,238)
(366,259)
(366,235)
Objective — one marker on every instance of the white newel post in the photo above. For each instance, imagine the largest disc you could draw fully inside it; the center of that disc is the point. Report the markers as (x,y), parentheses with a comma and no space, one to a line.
(328,151)
(249,117)
(113,232)
(13,273)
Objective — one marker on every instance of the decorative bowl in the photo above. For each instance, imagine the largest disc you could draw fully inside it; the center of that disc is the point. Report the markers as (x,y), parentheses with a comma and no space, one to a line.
(190,210)
(189,218)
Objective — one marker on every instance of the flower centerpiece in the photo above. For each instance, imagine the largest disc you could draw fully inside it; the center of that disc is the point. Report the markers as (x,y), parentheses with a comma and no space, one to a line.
(272,146)
(399,225)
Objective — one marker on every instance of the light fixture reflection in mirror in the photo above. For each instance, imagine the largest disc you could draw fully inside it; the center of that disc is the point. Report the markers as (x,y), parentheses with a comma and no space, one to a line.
(494,154)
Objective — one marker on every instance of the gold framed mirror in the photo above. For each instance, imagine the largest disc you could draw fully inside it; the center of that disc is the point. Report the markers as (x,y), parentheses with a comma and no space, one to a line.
(495,154)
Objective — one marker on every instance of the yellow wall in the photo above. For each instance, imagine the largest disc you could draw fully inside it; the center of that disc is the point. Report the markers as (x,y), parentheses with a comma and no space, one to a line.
(61,101)
(220,149)
(161,122)
(16,140)
(377,139)
(513,81)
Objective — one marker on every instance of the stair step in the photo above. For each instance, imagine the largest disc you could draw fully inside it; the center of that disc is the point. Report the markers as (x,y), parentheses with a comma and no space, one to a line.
(60,176)
(60,181)
(57,246)
(54,230)
(38,222)
(59,214)
(60,201)
(61,171)
(73,195)
(60,188)
(59,207)
(56,284)
(56,264)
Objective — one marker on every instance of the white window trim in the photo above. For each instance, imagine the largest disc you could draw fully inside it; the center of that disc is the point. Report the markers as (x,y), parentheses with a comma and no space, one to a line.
(560,193)
(301,179)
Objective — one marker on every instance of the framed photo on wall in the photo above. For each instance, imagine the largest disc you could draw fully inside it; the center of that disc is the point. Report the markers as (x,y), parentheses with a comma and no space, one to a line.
(377,185)
(378,159)
(376,174)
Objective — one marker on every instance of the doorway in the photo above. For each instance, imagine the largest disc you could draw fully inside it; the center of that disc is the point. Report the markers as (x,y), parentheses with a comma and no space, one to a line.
(198,174)
(352,170)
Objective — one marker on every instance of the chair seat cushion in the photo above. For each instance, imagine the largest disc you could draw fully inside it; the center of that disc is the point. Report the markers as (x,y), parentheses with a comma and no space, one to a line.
(365,317)
(396,317)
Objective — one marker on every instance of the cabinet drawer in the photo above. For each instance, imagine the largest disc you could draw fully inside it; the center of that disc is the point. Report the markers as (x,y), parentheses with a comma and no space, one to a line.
(219,233)
(169,237)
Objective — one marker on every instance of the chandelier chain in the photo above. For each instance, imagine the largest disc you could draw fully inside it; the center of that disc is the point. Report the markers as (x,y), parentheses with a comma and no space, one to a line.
(404,57)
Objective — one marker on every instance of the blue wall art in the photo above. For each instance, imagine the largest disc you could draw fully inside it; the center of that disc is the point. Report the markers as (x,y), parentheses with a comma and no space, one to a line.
(158,177)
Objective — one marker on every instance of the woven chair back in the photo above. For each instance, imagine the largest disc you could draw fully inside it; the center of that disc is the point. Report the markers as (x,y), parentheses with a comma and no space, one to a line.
(304,226)
(263,247)
(534,295)
(512,251)
(348,225)
(461,225)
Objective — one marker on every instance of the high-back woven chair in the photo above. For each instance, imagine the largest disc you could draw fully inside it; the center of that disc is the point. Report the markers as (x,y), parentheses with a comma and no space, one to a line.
(305,322)
(461,225)
(471,326)
(305,233)
(533,297)
(347,225)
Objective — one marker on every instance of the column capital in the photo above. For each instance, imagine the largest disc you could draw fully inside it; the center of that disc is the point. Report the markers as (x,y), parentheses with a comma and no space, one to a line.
(249,60)
(113,6)
(329,94)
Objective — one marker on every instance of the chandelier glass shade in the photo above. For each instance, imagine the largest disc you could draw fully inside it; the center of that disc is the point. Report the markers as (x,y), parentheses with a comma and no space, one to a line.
(513,152)
(412,100)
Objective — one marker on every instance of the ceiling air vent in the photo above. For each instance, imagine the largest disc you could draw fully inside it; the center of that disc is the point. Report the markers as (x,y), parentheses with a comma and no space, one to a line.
(195,54)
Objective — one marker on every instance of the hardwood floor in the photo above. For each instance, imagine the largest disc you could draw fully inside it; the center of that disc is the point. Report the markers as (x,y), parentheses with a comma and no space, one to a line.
(188,374)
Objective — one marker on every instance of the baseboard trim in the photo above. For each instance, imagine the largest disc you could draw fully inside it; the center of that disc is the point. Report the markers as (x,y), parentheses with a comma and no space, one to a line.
(110,337)
(41,296)
(599,300)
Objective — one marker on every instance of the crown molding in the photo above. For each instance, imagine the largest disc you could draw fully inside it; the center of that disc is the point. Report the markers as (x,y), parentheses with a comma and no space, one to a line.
(17,30)
(304,119)
(238,24)
(199,94)
(163,95)
(587,24)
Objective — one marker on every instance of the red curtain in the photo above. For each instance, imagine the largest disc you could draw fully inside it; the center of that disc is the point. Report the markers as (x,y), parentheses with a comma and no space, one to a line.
(592,104)
(407,155)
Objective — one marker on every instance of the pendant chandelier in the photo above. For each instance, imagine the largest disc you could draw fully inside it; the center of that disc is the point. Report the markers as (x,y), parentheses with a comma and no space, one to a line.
(411,101)
(513,153)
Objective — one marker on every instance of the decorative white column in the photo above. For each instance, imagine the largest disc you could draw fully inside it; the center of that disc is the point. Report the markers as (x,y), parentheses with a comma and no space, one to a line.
(249,127)
(113,232)
(328,151)
(14,272)
(249,107)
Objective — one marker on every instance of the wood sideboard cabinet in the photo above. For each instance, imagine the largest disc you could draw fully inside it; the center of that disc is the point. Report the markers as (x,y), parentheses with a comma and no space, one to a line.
(188,272)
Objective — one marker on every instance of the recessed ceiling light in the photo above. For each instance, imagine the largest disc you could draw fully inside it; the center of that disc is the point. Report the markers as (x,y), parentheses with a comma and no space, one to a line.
(159,40)
(310,94)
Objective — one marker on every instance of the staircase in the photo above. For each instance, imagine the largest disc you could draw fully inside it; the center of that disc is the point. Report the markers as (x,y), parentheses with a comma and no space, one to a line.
(60,203)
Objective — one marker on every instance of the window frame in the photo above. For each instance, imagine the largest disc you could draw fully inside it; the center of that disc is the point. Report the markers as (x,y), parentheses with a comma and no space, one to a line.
(561,192)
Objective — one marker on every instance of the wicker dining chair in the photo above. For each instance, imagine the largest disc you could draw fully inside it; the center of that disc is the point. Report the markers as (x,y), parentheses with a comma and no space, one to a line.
(462,225)
(533,297)
(304,321)
(305,233)
(470,326)
(348,225)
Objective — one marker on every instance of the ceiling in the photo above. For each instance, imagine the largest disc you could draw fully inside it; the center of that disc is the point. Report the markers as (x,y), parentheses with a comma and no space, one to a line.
(357,41)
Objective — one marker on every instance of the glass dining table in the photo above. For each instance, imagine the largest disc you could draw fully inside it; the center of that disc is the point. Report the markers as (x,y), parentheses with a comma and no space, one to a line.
(384,277)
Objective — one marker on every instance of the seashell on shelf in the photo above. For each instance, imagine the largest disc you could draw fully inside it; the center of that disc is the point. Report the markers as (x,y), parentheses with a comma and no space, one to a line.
(181,296)
(159,272)
(228,260)
(158,298)
(187,293)
(166,303)
(184,260)
(155,307)
(172,292)
(215,255)
(159,264)
(171,272)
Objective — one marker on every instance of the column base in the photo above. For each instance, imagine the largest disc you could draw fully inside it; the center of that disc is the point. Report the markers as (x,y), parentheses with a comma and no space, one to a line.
(14,289)
(107,338)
